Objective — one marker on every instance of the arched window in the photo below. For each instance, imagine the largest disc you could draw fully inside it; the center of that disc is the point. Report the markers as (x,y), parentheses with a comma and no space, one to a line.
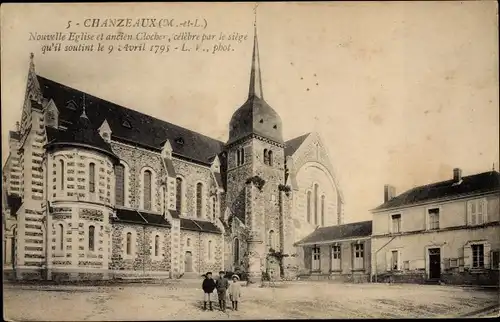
(242,156)
(199,199)
(188,242)
(92,177)
(61,163)
(129,243)
(236,250)
(323,210)
(270,157)
(214,208)
(316,204)
(157,245)
(61,236)
(147,190)
(271,240)
(309,206)
(266,158)
(120,185)
(238,159)
(91,238)
(178,194)
(209,249)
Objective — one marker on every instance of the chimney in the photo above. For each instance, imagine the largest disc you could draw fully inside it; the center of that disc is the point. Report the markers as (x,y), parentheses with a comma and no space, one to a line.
(389,192)
(457,175)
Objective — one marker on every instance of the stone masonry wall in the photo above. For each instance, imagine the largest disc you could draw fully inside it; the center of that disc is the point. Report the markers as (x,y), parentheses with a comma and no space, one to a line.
(142,258)
(197,244)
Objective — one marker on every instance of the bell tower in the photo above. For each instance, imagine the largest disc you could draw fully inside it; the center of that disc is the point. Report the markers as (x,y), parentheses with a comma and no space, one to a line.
(255,172)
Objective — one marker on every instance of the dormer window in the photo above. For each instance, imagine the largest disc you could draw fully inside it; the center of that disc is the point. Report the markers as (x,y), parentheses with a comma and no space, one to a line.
(275,126)
(261,121)
(179,141)
(127,124)
(71,105)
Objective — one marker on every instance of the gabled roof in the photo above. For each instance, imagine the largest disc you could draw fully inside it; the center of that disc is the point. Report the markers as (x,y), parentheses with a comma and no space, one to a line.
(474,184)
(340,232)
(129,125)
(292,145)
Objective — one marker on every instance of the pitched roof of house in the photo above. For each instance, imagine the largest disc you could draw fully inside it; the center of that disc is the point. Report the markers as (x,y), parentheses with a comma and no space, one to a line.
(292,145)
(129,125)
(474,184)
(340,232)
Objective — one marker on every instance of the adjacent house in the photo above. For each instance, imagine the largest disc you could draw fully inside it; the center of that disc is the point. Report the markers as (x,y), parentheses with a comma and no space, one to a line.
(446,231)
(337,252)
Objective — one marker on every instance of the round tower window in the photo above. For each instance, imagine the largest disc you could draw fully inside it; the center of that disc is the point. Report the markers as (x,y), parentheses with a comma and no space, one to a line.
(275,126)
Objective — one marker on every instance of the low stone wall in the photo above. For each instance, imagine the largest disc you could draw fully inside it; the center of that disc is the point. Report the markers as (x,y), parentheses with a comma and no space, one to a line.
(410,277)
(22,274)
(486,277)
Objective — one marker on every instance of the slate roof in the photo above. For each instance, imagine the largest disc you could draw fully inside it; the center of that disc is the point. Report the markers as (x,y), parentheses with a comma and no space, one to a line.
(14,203)
(141,217)
(81,133)
(255,116)
(333,233)
(473,184)
(14,135)
(144,130)
(292,145)
(199,225)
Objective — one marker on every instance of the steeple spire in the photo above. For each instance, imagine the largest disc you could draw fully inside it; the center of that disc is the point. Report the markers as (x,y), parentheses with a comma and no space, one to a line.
(255,76)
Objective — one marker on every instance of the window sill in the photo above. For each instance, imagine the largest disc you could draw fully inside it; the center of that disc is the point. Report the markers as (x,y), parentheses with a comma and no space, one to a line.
(357,270)
(336,271)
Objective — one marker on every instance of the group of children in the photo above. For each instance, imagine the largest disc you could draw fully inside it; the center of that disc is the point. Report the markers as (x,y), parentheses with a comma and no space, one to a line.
(223,288)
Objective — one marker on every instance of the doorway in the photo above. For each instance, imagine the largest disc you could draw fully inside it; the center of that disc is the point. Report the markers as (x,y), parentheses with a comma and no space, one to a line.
(434,263)
(188,262)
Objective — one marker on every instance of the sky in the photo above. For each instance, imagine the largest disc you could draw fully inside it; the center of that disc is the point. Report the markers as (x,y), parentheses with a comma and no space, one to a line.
(400,92)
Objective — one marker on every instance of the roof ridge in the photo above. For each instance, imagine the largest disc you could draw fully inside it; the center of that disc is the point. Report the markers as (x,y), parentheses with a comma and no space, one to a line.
(127,108)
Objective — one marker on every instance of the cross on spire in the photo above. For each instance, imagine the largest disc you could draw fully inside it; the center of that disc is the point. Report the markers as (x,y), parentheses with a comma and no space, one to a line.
(255,75)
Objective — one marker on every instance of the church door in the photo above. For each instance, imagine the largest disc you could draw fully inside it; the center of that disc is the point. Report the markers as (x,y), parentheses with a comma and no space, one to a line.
(188,262)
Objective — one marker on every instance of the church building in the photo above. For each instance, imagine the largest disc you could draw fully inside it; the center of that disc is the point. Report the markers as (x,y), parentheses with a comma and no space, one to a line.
(94,190)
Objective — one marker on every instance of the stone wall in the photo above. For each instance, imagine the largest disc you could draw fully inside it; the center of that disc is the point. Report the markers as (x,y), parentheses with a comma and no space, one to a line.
(136,160)
(142,260)
(197,243)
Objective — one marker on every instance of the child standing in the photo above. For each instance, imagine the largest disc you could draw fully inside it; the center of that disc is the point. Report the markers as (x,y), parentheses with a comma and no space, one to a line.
(235,292)
(222,285)
(208,287)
